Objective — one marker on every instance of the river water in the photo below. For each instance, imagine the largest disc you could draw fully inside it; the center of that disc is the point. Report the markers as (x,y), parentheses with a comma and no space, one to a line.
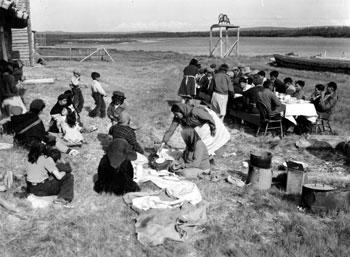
(249,46)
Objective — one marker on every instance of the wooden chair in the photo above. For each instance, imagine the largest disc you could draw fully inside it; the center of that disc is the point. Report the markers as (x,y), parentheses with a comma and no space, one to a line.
(323,125)
(268,121)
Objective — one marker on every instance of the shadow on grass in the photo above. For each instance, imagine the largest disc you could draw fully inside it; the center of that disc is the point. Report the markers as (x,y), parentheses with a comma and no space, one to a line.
(171,102)
(104,139)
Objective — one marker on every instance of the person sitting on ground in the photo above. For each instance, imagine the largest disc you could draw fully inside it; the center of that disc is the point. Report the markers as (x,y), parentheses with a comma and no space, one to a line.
(59,111)
(278,85)
(223,89)
(207,124)
(115,171)
(195,158)
(290,88)
(206,84)
(327,101)
(97,94)
(187,89)
(77,95)
(116,107)
(299,90)
(43,176)
(71,130)
(267,97)
(123,130)
(29,128)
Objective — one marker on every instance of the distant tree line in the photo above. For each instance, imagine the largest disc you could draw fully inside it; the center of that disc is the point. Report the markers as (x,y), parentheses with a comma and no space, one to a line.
(53,38)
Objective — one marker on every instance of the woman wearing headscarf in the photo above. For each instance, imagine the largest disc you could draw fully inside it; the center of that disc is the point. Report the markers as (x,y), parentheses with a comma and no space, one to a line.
(195,158)
(115,171)
(207,124)
(188,84)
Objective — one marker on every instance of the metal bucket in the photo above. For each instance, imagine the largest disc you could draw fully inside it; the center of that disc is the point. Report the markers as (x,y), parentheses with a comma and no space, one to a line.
(261,159)
(259,178)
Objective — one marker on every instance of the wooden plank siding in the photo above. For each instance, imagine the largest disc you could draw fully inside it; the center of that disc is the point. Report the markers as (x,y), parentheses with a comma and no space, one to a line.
(20,40)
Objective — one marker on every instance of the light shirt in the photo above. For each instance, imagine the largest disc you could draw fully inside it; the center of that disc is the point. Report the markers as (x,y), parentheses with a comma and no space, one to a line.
(96,87)
(39,171)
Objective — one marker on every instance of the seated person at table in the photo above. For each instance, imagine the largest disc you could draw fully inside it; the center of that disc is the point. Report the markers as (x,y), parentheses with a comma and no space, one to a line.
(290,89)
(195,158)
(316,96)
(123,130)
(116,107)
(115,171)
(278,85)
(29,128)
(267,97)
(299,90)
(259,78)
(45,178)
(251,97)
(327,101)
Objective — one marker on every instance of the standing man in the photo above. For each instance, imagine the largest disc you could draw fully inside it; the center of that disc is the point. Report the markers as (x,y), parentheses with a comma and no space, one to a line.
(223,88)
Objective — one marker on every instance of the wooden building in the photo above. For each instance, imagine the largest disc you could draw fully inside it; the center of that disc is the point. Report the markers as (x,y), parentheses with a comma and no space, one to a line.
(23,39)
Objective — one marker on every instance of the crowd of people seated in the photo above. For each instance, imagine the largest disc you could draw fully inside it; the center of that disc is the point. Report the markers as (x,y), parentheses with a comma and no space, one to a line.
(203,130)
(240,88)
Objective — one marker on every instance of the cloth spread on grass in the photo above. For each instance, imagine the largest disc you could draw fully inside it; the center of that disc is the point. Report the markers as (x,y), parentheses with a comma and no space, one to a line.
(174,212)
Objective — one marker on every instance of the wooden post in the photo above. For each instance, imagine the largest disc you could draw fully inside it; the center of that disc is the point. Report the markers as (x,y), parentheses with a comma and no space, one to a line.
(210,41)
(237,48)
(220,42)
(30,38)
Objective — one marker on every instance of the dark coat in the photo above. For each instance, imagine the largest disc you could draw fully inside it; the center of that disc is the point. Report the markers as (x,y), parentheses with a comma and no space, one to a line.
(115,180)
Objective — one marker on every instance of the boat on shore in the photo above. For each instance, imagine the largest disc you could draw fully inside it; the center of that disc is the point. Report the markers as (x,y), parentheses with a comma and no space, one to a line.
(316,63)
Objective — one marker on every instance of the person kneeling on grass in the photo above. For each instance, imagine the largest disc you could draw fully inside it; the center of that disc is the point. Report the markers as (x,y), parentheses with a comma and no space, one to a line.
(195,158)
(115,171)
(46,175)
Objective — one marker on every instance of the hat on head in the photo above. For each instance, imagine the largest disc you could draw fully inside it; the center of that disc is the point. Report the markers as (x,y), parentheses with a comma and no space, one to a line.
(213,65)
(254,72)
(210,70)
(76,72)
(119,94)
(124,119)
(235,68)
(62,97)
(37,104)
(223,67)
(246,70)
(230,73)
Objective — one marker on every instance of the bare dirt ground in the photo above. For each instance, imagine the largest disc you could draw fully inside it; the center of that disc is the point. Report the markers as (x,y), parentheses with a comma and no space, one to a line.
(241,221)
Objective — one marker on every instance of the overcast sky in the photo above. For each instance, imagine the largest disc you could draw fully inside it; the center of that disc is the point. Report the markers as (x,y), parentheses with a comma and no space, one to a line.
(182,15)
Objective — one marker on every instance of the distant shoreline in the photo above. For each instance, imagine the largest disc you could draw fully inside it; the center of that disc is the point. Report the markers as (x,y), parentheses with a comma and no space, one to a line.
(53,38)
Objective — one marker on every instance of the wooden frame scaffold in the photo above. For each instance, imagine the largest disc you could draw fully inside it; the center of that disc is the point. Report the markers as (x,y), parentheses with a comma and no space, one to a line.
(97,50)
(224,45)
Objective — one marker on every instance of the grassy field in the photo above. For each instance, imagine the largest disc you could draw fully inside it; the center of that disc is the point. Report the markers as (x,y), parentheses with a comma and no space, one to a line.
(241,221)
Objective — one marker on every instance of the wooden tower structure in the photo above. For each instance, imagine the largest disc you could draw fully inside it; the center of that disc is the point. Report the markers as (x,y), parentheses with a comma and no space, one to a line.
(223,44)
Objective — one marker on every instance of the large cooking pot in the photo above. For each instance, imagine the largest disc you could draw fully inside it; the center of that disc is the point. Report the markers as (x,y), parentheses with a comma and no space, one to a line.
(261,159)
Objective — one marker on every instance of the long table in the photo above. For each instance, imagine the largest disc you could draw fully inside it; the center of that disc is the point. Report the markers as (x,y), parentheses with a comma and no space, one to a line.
(300,109)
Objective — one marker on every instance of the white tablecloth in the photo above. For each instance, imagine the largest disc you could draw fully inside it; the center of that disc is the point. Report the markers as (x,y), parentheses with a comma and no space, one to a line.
(300,109)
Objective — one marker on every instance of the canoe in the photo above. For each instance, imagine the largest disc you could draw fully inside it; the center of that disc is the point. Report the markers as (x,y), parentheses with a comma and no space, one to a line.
(313,63)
